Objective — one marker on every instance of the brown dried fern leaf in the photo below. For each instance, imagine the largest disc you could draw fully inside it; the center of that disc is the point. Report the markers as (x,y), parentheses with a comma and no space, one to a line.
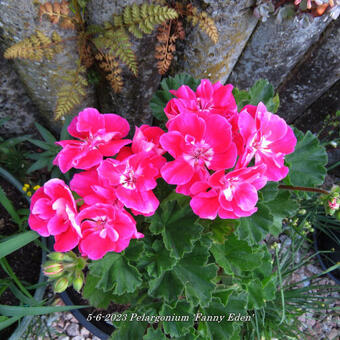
(57,13)
(72,91)
(165,47)
(110,65)
(85,52)
(205,23)
(36,47)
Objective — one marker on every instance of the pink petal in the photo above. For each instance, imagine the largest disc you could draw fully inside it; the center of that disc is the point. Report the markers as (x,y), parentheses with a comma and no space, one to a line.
(112,147)
(117,123)
(177,172)
(205,205)
(225,160)
(218,133)
(188,124)
(90,120)
(173,142)
(184,92)
(57,225)
(39,225)
(66,241)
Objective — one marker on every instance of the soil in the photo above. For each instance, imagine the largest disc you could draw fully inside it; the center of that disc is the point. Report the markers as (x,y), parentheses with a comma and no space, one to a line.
(26,261)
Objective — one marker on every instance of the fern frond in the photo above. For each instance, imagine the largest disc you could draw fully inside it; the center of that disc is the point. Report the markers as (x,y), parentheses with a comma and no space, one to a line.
(36,47)
(204,22)
(71,93)
(143,18)
(165,47)
(84,51)
(110,65)
(57,13)
(117,42)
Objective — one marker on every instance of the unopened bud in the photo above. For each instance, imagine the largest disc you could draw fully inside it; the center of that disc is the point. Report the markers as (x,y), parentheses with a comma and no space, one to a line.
(302,212)
(56,256)
(61,285)
(53,270)
(78,281)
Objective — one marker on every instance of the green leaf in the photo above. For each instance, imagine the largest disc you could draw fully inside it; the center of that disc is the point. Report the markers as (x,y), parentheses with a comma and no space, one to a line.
(235,256)
(255,294)
(307,162)
(221,229)
(7,204)
(255,227)
(167,286)
(135,250)
(196,275)
(162,96)
(269,192)
(47,135)
(96,297)
(115,274)
(22,311)
(160,259)
(39,164)
(64,133)
(183,325)
(40,144)
(16,242)
(217,330)
(263,91)
(177,226)
(154,334)
(242,98)
(129,330)
(281,207)
(6,322)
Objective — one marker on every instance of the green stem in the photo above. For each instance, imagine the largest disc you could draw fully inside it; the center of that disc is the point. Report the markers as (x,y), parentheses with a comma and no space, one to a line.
(291,187)
(7,268)
(281,288)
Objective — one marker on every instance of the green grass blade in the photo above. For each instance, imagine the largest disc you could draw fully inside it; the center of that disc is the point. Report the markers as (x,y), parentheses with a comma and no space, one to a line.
(16,242)
(47,135)
(7,204)
(22,311)
(6,323)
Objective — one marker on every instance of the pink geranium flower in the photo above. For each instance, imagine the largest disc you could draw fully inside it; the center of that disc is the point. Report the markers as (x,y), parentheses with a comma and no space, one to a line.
(146,139)
(208,99)
(93,188)
(99,135)
(268,138)
(105,229)
(133,179)
(53,212)
(197,144)
(231,195)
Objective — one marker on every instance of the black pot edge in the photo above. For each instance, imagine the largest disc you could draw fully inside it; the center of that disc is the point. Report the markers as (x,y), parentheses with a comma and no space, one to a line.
(65,296)
(67,299)
(323,266)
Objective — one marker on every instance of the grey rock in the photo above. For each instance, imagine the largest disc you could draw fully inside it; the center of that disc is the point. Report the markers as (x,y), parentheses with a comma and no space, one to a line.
(21,112)
(313,77)
(274,49)
(72,329)
(204,59)
(18,20)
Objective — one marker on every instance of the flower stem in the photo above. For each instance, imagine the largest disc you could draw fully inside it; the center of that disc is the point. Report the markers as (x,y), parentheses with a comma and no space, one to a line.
(291,187)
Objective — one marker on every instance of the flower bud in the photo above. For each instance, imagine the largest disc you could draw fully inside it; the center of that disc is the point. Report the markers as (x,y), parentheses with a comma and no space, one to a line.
(61,284)
(56,256)
(78,281)
(53,269)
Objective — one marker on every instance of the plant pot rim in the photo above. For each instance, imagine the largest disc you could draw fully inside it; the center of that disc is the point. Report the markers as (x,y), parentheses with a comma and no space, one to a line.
(66,297)
(320,259)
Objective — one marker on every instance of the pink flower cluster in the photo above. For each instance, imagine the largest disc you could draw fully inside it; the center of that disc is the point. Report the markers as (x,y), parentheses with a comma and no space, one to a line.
(221,158)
